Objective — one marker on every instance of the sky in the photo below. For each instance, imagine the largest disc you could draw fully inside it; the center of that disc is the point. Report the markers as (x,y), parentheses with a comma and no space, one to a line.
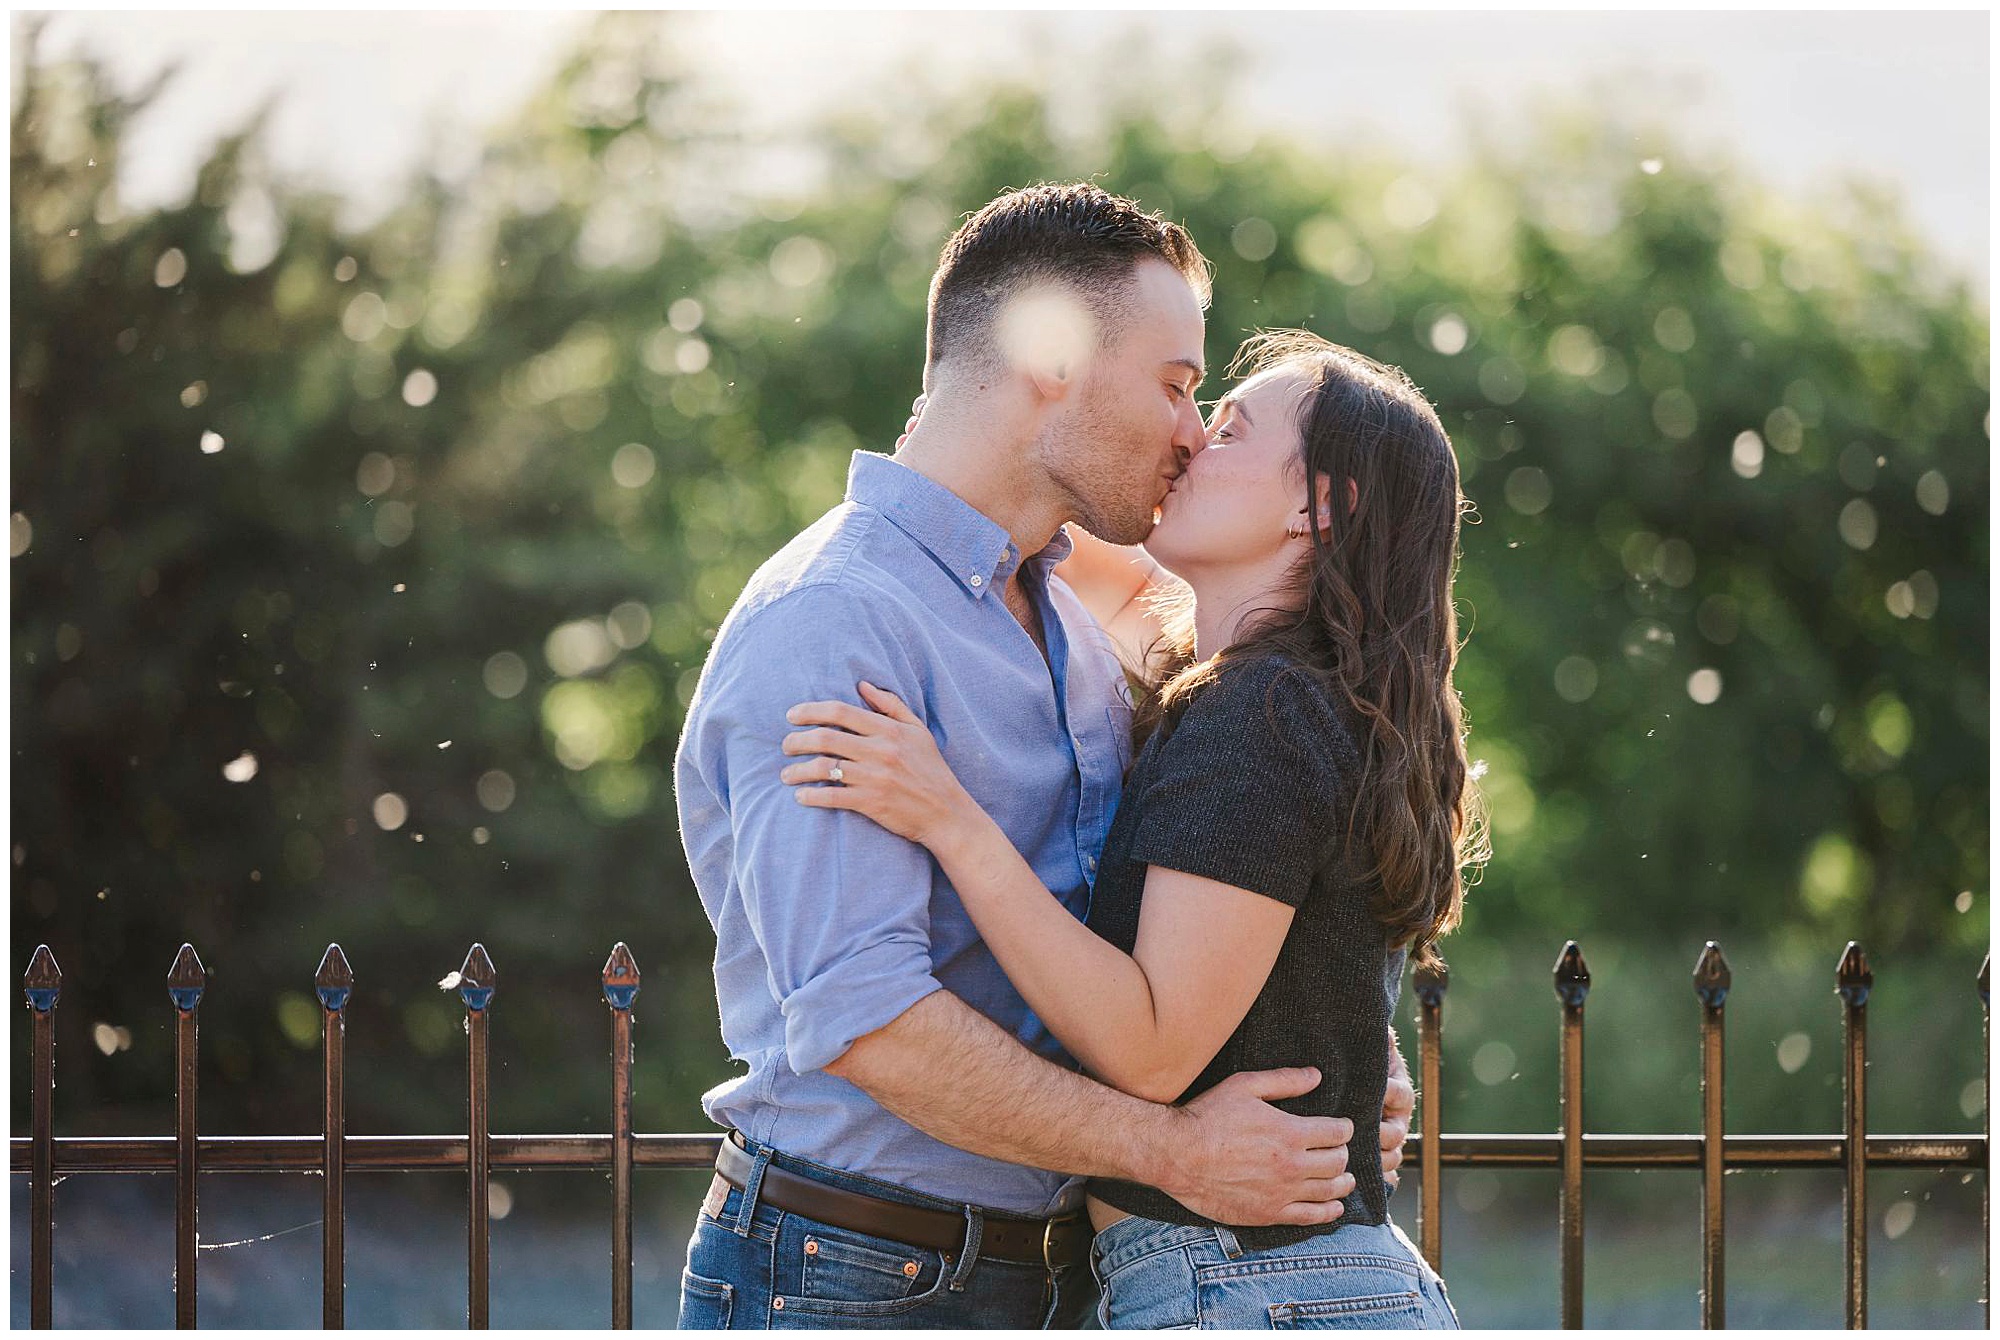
(1803,98)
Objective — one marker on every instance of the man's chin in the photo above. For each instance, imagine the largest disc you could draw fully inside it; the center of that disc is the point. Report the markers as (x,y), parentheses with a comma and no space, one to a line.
(1120,531)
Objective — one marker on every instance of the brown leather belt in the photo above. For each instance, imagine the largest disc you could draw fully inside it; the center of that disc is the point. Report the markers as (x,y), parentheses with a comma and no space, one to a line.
(1048,1243)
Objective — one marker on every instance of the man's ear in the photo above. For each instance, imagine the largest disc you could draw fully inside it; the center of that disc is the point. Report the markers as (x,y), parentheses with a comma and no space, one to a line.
(1051,380)
(1046,334)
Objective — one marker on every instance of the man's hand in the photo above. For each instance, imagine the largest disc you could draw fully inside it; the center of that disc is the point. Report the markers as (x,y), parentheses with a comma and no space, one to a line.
(1399,1104)
(1245,1162)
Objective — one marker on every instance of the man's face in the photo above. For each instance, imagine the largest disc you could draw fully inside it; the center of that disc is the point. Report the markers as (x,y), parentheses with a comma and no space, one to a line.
(1132,424)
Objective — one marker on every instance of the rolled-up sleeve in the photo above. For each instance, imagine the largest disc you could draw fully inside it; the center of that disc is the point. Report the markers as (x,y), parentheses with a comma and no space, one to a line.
(839,905)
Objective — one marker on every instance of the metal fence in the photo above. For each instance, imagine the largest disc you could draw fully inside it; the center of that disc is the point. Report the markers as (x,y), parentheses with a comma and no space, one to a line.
(42,1157)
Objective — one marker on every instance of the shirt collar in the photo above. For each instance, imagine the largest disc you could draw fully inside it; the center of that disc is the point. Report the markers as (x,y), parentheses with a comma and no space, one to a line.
(976,550)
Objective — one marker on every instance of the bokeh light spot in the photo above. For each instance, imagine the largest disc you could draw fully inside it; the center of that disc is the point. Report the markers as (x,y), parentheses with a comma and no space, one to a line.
(1746,455)
(394,522)
(577,648)
(171,268)
(1528,490)
(420,388)
(1933,492)
(1794,1050)
(495,789)
(1254,239)
(1575,678)
(1858,525)
(376,474)
(632,465)
(391,811)
(505,674)
(685,315)
(1449,334)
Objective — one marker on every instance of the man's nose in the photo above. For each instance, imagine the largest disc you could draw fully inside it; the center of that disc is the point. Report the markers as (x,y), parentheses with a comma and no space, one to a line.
(1190,436)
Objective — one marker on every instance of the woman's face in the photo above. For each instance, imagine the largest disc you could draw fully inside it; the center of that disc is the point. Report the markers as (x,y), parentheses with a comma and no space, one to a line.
(1231,506)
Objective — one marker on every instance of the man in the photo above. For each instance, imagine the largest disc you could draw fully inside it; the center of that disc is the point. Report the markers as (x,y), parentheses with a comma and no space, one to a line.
(907,1141)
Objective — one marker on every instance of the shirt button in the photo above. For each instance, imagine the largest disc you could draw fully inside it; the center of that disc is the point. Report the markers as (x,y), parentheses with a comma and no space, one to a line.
(977,580)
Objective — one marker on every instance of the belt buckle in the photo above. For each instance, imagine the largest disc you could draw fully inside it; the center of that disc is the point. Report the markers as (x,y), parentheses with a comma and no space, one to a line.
(1048,1246)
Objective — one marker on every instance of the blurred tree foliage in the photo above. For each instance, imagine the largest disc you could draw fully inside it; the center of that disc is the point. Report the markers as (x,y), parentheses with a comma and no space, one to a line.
(361,576)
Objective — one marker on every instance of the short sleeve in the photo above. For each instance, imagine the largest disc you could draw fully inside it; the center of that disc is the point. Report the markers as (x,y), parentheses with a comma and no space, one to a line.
(839,905)
(1247,789)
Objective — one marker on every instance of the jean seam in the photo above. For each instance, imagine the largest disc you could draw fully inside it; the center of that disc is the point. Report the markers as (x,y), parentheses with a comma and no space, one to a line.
(1227,1270)
(1366,1305)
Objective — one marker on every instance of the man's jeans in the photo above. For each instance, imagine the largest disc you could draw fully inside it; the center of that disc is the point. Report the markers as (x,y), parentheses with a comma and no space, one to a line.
(751,1267)
(1159,1276)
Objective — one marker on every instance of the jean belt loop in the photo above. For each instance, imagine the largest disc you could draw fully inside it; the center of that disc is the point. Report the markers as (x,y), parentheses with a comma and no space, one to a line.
(968,1256)
(753,1187)
(1231,1248)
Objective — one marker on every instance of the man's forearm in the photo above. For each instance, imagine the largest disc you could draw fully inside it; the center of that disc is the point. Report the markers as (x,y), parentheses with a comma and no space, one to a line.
(959,1077)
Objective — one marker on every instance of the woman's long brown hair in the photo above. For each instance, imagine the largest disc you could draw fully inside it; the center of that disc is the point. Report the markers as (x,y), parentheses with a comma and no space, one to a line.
(1368,612)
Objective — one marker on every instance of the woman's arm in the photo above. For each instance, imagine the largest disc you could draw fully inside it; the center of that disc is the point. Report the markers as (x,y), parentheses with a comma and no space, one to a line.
(1145,1022)
(1116,585)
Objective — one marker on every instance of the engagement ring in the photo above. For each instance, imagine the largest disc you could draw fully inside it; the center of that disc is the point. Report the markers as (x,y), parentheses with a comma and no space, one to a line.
(835,775)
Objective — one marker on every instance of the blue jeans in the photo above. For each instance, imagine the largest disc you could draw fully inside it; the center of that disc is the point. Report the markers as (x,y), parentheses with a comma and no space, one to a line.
(751,1267)
(1159,1276)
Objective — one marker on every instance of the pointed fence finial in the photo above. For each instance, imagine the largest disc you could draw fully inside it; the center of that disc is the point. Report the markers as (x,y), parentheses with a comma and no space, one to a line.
(475,979)
(1852,979)
(1711,976)
(1572,977)
(621,977)
(1984,964)
(44,980)
(187,979)
(1430,985)
(335,980)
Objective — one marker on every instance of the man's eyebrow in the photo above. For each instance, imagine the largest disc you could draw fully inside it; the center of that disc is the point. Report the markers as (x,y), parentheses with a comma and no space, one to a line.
(1192,365)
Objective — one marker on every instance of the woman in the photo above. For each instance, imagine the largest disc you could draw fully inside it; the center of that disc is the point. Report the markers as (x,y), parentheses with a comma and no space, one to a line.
(1293,828)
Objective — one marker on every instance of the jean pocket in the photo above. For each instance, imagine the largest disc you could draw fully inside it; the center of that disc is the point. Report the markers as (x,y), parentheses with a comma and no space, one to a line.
(705,1303)
(854,1275)
(1377,1312)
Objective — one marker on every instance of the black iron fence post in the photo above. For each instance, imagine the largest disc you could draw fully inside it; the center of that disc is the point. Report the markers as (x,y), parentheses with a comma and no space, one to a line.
(186,981)
(621,986)
(44,985)
(475,988)
(334,984)
(1430,985)
(1852,982)
(1711,986)
(1572,986)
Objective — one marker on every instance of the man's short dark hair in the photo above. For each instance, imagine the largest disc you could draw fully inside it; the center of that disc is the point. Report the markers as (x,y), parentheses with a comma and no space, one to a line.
(1076,235)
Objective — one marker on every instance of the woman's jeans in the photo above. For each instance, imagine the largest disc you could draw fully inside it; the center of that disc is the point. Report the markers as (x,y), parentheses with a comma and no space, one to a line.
(752,1267)
(1159,1276)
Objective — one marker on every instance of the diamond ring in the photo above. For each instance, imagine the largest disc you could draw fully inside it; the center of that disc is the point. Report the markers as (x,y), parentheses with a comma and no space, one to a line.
(835,775)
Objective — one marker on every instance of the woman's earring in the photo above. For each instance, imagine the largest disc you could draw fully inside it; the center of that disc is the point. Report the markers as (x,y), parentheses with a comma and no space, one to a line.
(1297,530)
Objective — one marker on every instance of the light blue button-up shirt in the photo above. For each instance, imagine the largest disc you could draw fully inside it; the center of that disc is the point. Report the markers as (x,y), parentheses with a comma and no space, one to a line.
(828,926)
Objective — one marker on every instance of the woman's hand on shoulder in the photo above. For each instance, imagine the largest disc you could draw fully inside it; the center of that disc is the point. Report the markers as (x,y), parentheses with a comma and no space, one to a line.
(879,761)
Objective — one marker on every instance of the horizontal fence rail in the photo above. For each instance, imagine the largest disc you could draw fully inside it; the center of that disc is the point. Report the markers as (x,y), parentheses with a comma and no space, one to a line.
(333,1153)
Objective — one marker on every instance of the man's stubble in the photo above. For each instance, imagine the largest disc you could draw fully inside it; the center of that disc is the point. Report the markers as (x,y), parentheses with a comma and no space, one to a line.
(1089,457)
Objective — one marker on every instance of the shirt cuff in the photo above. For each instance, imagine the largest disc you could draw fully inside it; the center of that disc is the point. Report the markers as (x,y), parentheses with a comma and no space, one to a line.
(852,999)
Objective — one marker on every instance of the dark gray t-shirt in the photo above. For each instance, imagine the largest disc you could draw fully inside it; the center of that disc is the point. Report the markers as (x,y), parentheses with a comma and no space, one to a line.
(1253,788)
